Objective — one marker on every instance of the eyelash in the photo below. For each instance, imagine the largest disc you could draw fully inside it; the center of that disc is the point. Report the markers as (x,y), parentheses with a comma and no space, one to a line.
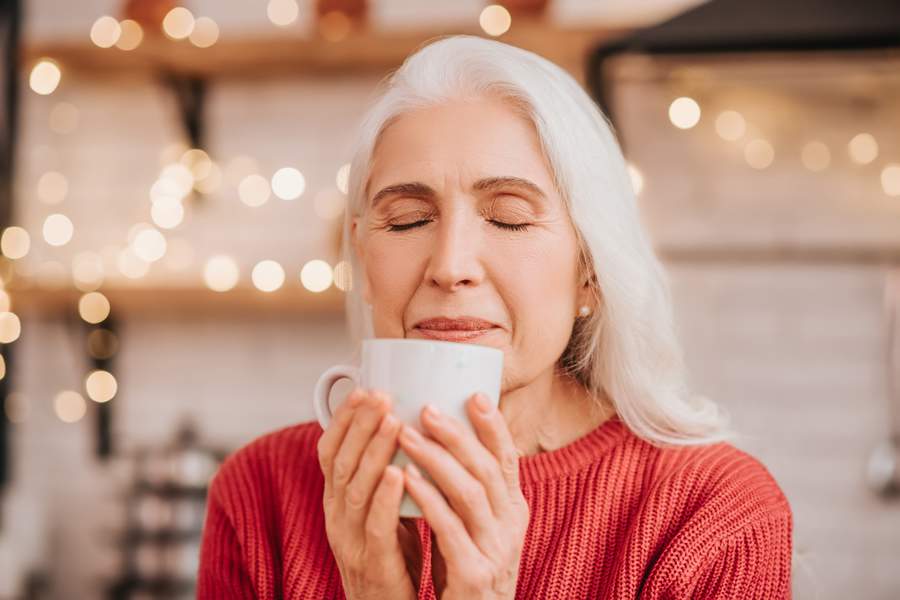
(499,224)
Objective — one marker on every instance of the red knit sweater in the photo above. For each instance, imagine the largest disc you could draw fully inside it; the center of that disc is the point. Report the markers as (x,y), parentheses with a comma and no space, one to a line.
(612,516)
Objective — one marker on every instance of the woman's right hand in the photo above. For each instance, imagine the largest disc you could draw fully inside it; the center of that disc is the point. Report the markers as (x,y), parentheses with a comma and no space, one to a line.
(362,499)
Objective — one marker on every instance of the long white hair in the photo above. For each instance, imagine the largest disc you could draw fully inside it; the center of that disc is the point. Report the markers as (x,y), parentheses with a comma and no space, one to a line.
(627,350)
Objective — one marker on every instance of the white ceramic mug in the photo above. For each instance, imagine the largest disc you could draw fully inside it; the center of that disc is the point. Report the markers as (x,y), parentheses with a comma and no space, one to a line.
(414,373)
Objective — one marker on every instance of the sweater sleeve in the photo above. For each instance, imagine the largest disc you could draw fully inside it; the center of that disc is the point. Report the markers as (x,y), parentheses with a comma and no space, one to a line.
(754,563)
(222,573)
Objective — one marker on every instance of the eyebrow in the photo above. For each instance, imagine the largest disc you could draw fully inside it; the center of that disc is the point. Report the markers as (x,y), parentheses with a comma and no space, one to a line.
(489,184)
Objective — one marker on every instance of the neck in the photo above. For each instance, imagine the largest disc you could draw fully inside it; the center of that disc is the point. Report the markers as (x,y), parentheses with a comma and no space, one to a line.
(550,412)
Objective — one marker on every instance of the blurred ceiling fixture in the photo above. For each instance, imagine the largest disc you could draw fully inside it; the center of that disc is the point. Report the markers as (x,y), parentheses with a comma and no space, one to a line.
(335,19)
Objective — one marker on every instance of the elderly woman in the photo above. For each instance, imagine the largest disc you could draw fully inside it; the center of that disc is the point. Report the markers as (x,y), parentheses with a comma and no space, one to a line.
(487,189)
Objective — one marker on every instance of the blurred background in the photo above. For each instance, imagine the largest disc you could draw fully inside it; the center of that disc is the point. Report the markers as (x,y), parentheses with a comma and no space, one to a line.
(172,180)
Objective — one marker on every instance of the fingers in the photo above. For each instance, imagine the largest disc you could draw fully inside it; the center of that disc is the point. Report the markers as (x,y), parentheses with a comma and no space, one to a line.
(331,439)
(376,457)
(366,418)
(471,453)
(456,546)
(465,493)
(491,429)
(384,514)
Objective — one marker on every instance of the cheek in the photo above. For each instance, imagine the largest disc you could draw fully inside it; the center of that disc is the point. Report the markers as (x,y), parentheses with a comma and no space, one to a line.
(393,280)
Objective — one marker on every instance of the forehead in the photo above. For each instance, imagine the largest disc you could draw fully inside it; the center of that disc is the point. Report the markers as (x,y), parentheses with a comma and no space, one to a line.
(470,140)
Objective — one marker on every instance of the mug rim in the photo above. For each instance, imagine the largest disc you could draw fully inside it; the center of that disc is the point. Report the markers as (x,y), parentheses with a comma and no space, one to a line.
(411,341)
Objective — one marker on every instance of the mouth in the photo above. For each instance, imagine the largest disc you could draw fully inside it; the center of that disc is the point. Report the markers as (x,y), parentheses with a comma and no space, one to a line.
(459,329)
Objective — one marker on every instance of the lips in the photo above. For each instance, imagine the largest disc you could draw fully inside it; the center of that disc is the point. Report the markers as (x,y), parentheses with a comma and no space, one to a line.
(458,329)
(455,324)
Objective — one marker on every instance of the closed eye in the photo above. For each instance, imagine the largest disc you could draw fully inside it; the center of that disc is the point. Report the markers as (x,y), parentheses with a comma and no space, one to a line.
(498,224)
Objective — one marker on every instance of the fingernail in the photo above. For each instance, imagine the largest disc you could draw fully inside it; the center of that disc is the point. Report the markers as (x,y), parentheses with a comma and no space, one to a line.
(483,404)
(432,412)
(413,471)
(387,423)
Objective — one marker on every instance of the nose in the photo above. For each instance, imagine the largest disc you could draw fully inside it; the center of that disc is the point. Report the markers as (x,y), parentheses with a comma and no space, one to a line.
(455,260)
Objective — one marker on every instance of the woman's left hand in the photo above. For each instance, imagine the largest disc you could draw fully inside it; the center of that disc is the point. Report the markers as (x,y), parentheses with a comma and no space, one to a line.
(481,532)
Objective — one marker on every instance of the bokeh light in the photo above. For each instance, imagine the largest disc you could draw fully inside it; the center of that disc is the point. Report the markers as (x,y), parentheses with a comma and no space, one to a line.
(69,406)
(684,112)
(45,77)
(759,153)
(105,32)
(221,273)
(10,327)
(267,276)
(58,229)
(730,125)
(178,23)
(93,307)
(863,148)
(495,20)
(101,386)
(15,242)
(205,33)
(316,275)
(288,183)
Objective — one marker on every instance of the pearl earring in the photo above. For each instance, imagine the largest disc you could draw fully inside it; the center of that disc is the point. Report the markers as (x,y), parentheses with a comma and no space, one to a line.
(584,310)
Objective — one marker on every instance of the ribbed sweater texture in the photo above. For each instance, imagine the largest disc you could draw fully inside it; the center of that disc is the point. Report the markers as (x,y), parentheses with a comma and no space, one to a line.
(611,516)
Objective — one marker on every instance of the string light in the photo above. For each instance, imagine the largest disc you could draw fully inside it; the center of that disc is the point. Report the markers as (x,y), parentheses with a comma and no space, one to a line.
(10,327)
(815,156)
(101,386)
(730,125)
(58,229)
(316,275)
(205,33)
(45,77)
(105,32)
(167,212)
(221,273)
(684,112)
(759,153)
(178,23)
(288,183)
(863,148)
(890,179)
(149,244)
(282,12)
(70,406)
(267,276)
(131,37)
(52,187)
(15,242)
(495,20)
(254,190)
(93,307)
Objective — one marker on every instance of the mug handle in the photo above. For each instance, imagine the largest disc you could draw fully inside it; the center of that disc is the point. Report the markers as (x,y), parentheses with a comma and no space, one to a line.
(323,390)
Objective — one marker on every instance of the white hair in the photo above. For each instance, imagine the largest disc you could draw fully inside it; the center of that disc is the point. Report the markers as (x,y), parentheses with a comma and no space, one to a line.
(627,350)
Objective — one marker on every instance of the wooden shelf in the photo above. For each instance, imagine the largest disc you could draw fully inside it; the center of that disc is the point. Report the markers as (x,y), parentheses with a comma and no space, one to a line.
(279,52)
(136,301)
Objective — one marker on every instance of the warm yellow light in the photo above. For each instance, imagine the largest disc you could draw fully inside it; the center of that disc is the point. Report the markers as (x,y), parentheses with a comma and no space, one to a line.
(93,307)
(890,179)
(730,125)
(52,187)
(197,162)
(343,277)
(45,77)
(267,276)
(87,271)
(221,273)
(316,275)
(70,406)
(58,229)
(282,12)
(10,327)
(288,183)
(176,179)
(105,32)
(254,190)
(132,35)
(863,148)
(637,180)
(178,23)
(329,203)
(342,178)
(63,118)
(495,20)
(815,156)
(205,33)
(167,212)
(101,386)
(15,242)
(684,112)
(759,154)
(16,407)
(149,244)
(131,265)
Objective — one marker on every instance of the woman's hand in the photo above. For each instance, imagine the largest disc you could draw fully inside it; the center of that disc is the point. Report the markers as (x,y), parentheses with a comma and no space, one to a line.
(482,530)
(362,500)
